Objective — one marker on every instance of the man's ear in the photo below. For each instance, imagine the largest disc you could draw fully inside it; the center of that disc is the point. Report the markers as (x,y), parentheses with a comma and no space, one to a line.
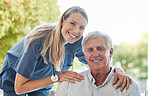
(111,52)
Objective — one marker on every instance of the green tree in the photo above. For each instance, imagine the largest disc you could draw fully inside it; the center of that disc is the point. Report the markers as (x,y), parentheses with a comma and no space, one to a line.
(133,57)
(18,17)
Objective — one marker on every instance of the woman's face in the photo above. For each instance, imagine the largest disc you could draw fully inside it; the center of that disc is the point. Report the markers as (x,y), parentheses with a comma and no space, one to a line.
(73,27)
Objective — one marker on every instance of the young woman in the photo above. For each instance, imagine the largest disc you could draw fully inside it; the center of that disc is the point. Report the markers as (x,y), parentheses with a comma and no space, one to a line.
(43,57)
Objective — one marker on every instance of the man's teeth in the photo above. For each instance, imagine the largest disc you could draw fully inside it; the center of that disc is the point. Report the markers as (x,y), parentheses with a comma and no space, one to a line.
(73,36)
(96,60)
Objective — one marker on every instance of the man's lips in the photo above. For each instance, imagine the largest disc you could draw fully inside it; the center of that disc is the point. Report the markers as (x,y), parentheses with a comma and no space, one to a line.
(96,60)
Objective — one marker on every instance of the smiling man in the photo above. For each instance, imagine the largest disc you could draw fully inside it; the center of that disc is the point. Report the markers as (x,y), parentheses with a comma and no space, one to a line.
(98,51)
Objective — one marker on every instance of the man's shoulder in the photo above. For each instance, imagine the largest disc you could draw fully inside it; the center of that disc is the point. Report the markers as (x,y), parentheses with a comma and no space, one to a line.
(134,85)
(84,73)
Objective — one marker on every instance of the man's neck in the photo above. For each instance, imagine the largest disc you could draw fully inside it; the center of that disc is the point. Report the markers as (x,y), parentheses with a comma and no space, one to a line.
(100,77)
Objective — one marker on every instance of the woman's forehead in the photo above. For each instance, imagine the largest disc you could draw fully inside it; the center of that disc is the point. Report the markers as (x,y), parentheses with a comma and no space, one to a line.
(78,17)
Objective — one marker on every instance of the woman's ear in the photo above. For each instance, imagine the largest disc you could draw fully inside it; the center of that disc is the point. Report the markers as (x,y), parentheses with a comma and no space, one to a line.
(62,20)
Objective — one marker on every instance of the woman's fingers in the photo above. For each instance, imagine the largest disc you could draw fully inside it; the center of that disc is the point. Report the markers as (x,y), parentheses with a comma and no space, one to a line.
(75,75)
(123,81)
(127,83)
(119,83)
(71,81)
(115,79)
(70,76)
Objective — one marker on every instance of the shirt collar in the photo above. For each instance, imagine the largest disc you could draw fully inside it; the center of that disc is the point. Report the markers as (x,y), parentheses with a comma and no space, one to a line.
(90,77)
(110,75)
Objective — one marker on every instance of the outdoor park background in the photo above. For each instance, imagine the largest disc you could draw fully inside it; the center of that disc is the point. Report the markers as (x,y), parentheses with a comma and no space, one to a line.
(125,21)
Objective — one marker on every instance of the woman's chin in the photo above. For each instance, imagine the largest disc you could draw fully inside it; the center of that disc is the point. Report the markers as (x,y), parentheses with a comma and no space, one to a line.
(71,41)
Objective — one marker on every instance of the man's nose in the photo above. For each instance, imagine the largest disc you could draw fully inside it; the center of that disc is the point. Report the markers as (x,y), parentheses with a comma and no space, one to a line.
(95,53)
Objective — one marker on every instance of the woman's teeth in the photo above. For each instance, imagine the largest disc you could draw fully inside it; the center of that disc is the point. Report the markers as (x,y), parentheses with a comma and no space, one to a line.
(73,36)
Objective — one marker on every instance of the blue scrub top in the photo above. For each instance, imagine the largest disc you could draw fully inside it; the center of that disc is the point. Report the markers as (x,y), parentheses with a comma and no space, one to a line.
(31,65)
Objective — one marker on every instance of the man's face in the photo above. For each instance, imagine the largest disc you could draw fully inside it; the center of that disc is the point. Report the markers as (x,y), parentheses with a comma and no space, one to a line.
(96,54)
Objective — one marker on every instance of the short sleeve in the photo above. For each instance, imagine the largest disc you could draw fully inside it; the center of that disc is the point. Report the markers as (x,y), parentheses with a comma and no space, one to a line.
(79,53)
(28,60)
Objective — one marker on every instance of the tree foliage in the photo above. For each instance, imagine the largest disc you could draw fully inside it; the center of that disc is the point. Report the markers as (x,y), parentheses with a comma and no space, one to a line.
(133,57)
(18,17)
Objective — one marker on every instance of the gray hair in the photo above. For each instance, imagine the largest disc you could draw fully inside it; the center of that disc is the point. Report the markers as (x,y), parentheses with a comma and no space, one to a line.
(96,34)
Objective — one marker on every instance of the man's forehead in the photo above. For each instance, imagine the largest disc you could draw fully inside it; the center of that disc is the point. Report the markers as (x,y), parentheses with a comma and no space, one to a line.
(96,42)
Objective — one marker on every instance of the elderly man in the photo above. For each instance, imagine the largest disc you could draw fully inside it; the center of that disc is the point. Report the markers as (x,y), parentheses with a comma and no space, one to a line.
(98,79)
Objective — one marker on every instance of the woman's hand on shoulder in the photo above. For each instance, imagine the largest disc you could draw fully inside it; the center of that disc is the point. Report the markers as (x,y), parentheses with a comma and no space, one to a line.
(70,76)
(121,79)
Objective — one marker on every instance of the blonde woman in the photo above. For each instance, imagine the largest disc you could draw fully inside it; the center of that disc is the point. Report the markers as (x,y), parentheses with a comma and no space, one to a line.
(43,57)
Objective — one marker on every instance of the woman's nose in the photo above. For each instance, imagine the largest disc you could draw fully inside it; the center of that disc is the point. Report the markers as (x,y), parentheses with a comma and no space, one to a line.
(76,30)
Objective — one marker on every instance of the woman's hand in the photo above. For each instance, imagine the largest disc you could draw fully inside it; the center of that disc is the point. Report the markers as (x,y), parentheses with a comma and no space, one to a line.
(123,79)
(70,76)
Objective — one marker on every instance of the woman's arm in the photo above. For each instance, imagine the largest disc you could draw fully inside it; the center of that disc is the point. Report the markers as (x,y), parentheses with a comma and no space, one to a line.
(24,85)
(122,79)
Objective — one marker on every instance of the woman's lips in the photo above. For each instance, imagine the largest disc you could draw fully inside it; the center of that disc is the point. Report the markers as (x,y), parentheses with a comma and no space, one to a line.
(72,36)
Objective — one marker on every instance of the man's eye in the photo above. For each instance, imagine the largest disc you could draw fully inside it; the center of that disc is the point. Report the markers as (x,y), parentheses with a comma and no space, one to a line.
(72,23)
(100,48)
(89,50)
(82,28)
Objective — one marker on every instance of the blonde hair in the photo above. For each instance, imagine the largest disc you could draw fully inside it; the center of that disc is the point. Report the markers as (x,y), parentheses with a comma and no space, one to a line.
(53,39)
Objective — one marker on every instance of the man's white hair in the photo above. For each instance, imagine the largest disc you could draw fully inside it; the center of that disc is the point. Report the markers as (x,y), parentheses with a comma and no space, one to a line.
(94,35)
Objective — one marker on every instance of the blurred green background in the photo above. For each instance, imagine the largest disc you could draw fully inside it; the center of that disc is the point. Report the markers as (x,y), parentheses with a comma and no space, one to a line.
(18,17)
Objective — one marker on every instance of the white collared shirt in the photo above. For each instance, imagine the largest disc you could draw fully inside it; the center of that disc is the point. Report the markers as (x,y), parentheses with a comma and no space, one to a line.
(88,88)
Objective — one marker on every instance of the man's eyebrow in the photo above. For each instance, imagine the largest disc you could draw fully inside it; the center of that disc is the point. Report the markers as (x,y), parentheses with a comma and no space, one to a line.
(88,47)
(101,46)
